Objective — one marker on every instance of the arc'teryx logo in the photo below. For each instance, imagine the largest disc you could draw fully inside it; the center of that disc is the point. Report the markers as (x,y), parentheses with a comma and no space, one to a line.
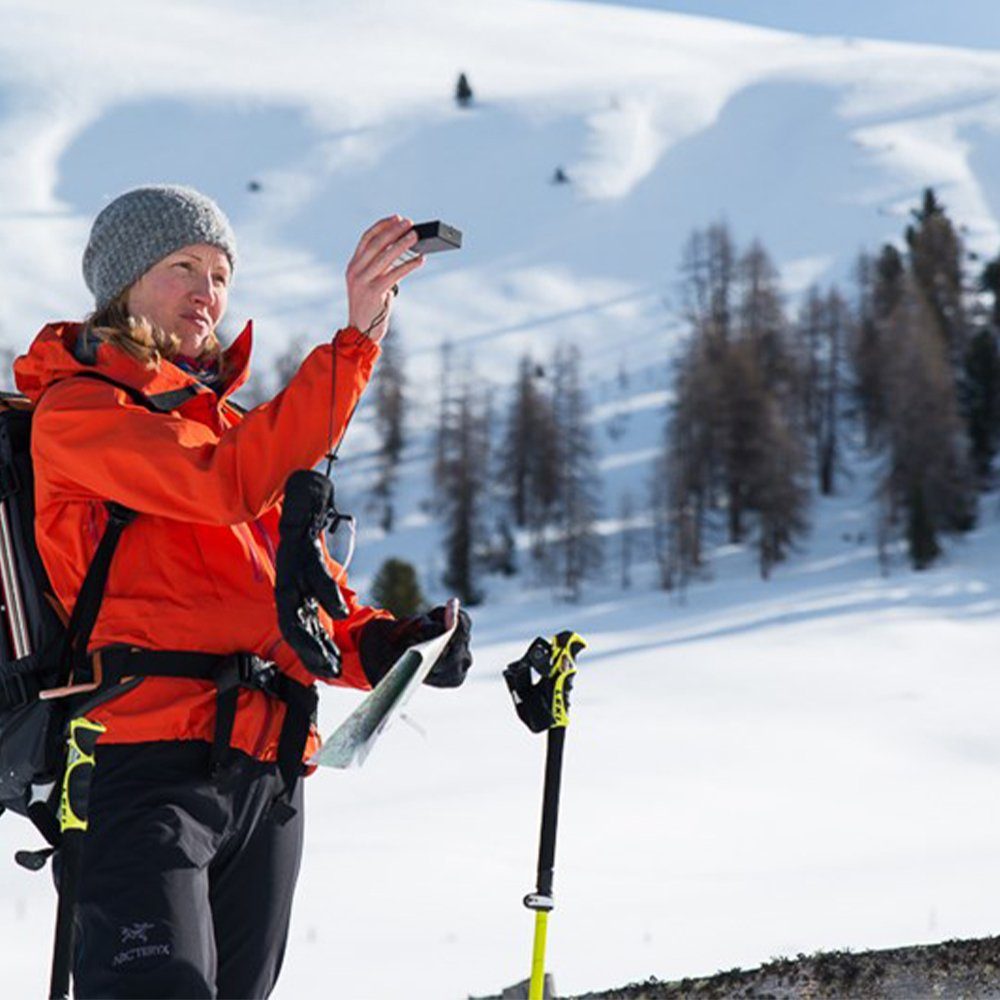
(137,935)
(137,932)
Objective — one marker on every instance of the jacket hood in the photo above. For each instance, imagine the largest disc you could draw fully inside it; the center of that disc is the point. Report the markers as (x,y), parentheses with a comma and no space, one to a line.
(55,355)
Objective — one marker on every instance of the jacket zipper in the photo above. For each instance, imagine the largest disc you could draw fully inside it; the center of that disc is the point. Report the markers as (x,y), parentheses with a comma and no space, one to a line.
(265,539)
(258,529)
(251,543)
(258,574)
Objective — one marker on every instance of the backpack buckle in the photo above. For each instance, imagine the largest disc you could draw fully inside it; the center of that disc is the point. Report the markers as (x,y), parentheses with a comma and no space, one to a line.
(251,670)
(84,687)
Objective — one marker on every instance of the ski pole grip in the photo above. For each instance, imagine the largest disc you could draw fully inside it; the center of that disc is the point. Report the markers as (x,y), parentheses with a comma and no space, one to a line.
(542,702)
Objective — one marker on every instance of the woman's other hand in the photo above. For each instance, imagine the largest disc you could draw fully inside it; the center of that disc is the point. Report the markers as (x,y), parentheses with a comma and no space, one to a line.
(371,274)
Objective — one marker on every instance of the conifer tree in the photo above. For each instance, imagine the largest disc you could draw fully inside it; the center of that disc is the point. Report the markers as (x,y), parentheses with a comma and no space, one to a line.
(463,92)
(446,415)
(918,371)
(693,465)
(543,458)
(823,327)
(465,467)
(390,415)
(683,488)
(981,401)
(397,589)
(989,281)
(741,402)
(936,264)
(520,441)
(708,269)
(980,384)
(929,487)
(880,284)
(734,441)
(501,554)
(578,498)
(761,318)
(778,495)
(761,376)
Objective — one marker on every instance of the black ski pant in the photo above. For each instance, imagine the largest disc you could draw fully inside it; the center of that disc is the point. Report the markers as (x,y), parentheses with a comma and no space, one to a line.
(186,882)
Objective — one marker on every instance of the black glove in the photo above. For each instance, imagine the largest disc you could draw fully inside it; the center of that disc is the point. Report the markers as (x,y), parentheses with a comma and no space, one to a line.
(302,582)
(383,642)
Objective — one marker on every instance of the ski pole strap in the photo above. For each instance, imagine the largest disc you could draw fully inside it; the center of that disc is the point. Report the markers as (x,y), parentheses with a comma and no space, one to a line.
(62,948)
(543,703)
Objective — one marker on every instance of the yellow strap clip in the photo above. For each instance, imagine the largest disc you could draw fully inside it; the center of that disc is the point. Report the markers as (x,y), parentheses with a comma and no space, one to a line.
(80,762)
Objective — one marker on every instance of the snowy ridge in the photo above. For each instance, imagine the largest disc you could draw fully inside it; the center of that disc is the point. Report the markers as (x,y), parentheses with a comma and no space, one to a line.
(751,770)
(662,121)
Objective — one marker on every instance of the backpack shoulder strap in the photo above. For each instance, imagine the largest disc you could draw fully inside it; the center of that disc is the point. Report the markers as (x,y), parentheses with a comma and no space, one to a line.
(160,402)
(91,595)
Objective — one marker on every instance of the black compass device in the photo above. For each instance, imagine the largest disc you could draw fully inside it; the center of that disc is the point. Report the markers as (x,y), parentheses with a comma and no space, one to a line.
(433,237)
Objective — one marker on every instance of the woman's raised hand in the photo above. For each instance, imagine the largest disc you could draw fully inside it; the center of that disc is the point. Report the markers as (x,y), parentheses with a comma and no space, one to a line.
(371,274)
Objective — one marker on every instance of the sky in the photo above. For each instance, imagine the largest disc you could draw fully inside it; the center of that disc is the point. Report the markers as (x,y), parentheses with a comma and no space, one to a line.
(972,23)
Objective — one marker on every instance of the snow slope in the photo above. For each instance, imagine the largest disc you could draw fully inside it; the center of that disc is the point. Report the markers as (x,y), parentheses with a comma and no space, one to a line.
(759,769)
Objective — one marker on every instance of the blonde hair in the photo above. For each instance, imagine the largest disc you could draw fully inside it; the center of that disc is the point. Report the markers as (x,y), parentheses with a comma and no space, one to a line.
(137,337)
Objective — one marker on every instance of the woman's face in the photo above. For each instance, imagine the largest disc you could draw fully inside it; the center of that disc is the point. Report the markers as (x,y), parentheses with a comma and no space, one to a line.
(184,294)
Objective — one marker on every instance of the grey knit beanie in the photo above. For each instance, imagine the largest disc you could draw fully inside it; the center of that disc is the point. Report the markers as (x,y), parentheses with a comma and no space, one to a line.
(142,227)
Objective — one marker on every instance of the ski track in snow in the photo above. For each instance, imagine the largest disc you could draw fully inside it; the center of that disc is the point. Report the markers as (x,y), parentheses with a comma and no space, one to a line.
(751,770)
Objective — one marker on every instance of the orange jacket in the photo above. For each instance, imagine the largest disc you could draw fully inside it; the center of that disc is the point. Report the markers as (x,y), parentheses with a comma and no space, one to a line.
(195,571)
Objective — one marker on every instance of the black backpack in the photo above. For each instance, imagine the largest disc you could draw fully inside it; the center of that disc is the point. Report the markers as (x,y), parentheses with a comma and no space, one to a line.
(39,649)
(38,646)
(33,636)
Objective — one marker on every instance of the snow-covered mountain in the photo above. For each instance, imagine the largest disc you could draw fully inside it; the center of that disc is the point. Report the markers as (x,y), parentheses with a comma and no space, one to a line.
(343,112)
(761,769)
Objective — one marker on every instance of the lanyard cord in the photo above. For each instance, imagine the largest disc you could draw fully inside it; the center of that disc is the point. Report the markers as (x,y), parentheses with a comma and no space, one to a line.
(333,454)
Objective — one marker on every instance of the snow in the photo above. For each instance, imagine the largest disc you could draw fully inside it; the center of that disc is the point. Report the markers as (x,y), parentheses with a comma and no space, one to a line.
(752,769)
(755,771)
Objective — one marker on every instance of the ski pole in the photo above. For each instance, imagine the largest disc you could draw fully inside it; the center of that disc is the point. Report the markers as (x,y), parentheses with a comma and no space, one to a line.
(74,812)
(543,706)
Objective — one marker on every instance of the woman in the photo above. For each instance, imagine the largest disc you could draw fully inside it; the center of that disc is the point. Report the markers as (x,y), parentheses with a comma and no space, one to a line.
(189,865)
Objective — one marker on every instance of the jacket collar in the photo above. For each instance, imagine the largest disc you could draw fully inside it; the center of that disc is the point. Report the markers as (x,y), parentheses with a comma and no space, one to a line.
(59,351)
